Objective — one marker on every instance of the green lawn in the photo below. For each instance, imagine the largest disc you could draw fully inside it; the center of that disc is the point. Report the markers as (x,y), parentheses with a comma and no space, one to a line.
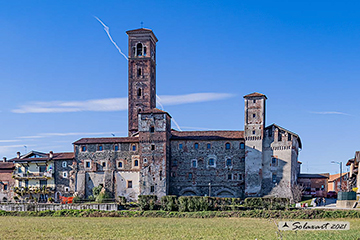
(157,228)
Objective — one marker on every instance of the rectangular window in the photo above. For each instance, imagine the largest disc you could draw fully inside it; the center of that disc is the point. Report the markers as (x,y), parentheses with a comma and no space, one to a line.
(103,164)
(289,137)
(274,177)
(196,146)
(120,164)
(83,148)
(65,175)
(229,176)
(100,148)
(64,164)
(129,184)
(208,146)
(42,168)
(180,146)
(152,189)
(193,164)
(228,162)
(279,137)
(190,176)
(134,147)
(174,163)
(20,183)
(87,164)
(152,147)
(211,162)
(5,187)
(116,148)
(240,177)
(274,162)
(26,183)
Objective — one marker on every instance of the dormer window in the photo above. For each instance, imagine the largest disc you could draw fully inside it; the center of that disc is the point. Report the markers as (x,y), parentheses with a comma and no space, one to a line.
(139,50)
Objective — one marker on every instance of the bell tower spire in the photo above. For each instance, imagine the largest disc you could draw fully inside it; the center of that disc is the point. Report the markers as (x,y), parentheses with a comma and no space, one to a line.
(142,74)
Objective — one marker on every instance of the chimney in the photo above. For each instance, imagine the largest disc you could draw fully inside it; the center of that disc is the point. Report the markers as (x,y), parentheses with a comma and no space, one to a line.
(4,159)
(51,154)
(18,154)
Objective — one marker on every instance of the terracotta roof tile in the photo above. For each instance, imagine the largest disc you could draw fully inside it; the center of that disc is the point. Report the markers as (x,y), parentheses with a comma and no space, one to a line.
(336,176)
(207,135)
(56,156)
(106,140)
(155,110)
(255,94)
(6,165)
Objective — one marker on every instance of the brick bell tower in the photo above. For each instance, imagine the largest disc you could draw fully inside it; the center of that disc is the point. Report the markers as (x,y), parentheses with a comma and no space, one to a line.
(142,74)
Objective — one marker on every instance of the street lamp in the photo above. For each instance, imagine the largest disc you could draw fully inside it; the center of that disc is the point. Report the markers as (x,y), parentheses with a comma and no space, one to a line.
(209,189)
(340,163)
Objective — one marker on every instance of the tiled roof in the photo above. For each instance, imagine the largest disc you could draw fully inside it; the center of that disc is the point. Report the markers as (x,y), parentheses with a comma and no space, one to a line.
(255,94)
(350,161)
(336,176)
(56,156)
(207,135)
(284,129)
(107,140)
(6,165)
(155,110)
(309,175)
(142,30)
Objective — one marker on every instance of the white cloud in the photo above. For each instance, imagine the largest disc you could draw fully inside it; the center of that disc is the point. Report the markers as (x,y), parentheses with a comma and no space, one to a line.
(8,141)
(43,135)
(113,104)
(332,112)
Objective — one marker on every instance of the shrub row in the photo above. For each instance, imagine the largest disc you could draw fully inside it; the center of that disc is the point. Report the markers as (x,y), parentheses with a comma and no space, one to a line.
(270,203)
(255,213)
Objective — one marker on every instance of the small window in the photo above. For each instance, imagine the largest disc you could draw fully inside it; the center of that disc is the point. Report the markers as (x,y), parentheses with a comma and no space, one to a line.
(194,163)
(65,174)
(208,146)
(160,175)
(190,176)
(139,74)
(240,177)
(211,162)
(274,161)
(242,145)
(144,51)
(83,148)
(254,101)
(103,164)
(64,164)
(136,163)
(254,115)
(145,160)
(152,129)
(228,162)
(100,148)
(230,176)
(196,146)
(242,159)
(254,132)
(227,145)
(139,92)
(66,189)
(139,49)
(274,178)
(129,184)
(87,164)
(120,164)
(279,136)
(134,147)
(152,147)
(116,147)
(174,163)
(152,189)
(289,137)
(5,187)
(180,146)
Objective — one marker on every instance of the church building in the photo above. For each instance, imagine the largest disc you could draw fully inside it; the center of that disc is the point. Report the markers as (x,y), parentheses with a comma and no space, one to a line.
(155,159)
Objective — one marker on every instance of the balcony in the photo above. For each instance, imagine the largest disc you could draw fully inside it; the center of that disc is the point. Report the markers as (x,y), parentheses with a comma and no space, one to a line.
(36,175)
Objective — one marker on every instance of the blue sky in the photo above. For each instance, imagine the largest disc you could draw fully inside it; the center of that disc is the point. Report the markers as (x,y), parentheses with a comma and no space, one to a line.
(62,78)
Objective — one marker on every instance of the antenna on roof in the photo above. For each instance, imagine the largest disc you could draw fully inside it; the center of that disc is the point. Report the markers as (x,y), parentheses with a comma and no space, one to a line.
(142,24)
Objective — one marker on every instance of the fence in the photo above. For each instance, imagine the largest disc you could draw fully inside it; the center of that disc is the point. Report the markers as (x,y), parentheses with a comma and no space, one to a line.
(53,206)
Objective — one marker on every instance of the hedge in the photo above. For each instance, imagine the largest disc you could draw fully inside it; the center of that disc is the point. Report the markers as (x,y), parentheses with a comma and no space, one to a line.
(255,213)
(147,202)
(270,203)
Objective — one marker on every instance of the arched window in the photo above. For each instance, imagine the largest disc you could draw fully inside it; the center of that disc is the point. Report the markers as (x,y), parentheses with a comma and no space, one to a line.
(196,146)
(139,92)
(139,50)
(139,110)
(227,145)
(144,51)
(139,72)
(134,147)
(228,162)
(242,145)
(136,163)
(208,146)
(100,148)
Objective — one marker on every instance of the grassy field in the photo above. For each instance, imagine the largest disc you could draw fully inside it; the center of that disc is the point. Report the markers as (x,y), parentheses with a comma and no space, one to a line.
(157,228)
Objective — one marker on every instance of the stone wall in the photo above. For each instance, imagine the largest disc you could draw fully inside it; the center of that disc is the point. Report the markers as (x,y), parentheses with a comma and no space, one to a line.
(189,178)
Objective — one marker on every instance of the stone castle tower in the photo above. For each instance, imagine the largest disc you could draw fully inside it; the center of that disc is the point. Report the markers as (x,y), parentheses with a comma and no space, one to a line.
(254,138)
(142,74)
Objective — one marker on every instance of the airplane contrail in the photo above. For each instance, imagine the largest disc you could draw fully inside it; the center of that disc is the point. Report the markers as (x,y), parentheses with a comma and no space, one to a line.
(106,28)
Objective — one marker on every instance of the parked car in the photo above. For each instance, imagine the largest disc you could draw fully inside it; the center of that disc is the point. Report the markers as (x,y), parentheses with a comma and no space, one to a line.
(332,194)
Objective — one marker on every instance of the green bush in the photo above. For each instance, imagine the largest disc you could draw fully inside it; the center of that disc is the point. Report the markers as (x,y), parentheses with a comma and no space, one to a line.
(169,203)
(122,200)
(96,190)
(147,202)
(77,199)
(270,203)
(103,197)
(91,198)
